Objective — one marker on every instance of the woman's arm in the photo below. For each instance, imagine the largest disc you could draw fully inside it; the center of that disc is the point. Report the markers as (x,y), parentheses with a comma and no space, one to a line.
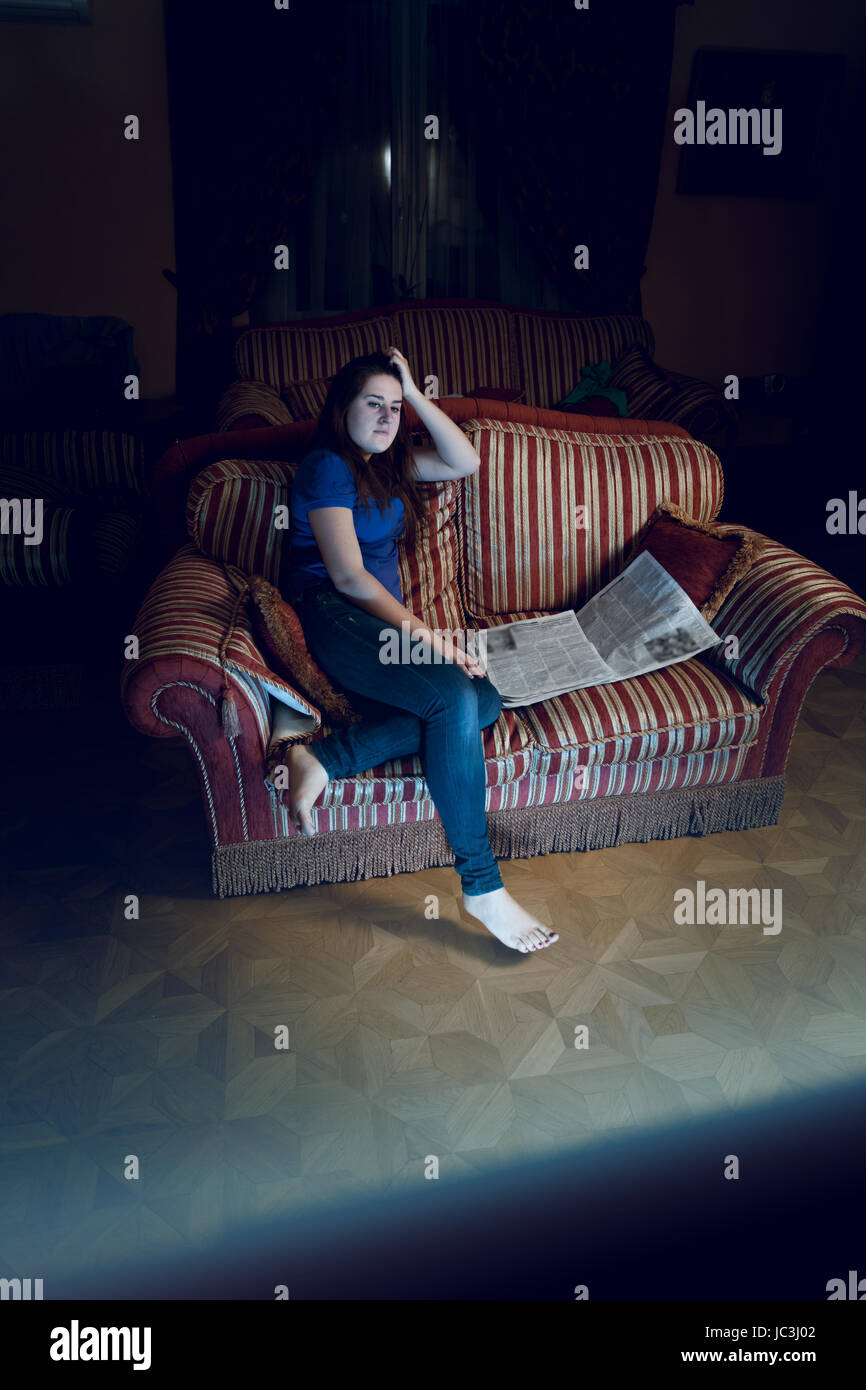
(334,531)
(453,448)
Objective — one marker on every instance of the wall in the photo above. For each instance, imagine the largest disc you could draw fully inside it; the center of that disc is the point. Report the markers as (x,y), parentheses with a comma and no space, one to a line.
(88,224)
(734,284)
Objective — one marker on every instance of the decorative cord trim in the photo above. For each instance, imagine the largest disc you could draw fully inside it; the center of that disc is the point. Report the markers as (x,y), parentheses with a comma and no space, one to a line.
(188,734)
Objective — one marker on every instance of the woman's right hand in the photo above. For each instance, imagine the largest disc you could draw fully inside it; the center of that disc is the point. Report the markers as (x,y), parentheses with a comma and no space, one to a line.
(449,652)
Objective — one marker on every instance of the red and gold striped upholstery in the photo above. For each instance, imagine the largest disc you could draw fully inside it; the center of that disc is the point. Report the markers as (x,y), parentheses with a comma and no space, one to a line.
(300,351)
(231,513)
(461,347)
(83,462)
(186,614)
(460,342)
(779,605)
(679,710)
(305,400)
(552,348)
(83,536)
(522,548)
(244,398)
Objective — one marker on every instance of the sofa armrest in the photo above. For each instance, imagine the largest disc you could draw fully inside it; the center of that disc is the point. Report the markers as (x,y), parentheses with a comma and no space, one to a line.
(777,610)
(190,609)
(244,404)
(175,685)
(702,409)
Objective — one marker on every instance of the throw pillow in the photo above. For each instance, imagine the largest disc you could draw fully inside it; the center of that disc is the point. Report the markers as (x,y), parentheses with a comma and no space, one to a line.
(279,628)
(651,394)
(705,563)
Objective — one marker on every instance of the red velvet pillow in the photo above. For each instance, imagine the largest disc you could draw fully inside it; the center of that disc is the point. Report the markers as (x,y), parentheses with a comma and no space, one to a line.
(705,563)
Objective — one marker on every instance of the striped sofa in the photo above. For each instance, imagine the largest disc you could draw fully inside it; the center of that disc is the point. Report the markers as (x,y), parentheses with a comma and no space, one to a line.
(465,344)
(695,748)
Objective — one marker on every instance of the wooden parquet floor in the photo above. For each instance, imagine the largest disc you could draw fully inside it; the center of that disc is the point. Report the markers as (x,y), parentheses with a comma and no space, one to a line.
(408,1036)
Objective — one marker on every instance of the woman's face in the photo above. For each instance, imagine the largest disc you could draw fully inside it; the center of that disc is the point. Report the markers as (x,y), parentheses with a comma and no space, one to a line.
(374,416)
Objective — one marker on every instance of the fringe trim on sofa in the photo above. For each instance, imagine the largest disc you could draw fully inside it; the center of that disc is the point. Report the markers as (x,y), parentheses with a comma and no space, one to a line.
(347,856)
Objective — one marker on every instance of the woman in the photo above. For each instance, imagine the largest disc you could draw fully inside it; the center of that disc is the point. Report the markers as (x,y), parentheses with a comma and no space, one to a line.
(353,495)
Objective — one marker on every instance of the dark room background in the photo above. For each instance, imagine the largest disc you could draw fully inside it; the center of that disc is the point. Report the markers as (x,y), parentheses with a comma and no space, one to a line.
(710,311)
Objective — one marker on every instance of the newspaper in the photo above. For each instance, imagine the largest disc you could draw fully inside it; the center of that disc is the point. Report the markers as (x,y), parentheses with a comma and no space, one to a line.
(639,622)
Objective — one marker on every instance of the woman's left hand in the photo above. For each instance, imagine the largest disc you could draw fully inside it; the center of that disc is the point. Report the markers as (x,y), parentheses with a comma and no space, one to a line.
(396,356)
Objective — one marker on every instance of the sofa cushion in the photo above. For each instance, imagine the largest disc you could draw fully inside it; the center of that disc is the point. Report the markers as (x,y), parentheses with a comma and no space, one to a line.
(508,755)
(552,348)
(459,346)
(681,709)
(309,350)
(546,518)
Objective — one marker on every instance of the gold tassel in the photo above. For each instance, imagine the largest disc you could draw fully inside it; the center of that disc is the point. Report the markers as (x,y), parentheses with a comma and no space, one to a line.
(229,712)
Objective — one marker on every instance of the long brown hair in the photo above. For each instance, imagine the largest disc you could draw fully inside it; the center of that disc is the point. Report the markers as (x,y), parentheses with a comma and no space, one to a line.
(392,475)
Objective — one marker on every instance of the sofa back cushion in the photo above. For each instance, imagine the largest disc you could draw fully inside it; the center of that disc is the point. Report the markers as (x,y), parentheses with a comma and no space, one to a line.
(552,348)
(231,515)
(284,352)
(461,347)
(545,520)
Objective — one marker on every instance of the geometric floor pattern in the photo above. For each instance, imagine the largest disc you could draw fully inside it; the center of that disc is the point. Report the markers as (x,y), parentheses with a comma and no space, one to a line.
(153,1040)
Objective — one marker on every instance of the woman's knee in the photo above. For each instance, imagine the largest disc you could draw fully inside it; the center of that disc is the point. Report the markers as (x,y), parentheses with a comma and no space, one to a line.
(454,693)
(489,702)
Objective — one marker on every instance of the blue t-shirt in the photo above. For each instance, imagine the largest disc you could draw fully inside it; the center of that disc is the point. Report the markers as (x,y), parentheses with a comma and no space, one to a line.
(324,479)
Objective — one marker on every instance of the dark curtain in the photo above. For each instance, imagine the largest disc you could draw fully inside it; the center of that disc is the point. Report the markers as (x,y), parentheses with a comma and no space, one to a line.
(570,107)
(565,110)
(252,104)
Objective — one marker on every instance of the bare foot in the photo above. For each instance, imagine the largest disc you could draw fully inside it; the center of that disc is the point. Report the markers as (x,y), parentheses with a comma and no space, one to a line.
(307,780)
(508,921)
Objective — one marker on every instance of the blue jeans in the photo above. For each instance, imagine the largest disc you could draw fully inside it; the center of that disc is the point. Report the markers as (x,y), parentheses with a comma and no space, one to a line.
(434,710)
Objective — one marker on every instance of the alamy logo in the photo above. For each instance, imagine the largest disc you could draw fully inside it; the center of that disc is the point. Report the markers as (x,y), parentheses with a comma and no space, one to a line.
(20,1288)
(717,908)
(855,1288)
(737,126)
(410,649)
(17,518)
(74,1343)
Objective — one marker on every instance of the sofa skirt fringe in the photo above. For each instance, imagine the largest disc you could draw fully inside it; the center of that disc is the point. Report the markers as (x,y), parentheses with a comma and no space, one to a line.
(347,856)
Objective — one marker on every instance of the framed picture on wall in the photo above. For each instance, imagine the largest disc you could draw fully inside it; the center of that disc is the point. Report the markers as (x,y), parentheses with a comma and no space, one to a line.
(743,101)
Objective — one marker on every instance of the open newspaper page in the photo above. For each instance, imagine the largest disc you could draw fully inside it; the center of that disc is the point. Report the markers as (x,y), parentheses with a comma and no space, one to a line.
(639,622)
